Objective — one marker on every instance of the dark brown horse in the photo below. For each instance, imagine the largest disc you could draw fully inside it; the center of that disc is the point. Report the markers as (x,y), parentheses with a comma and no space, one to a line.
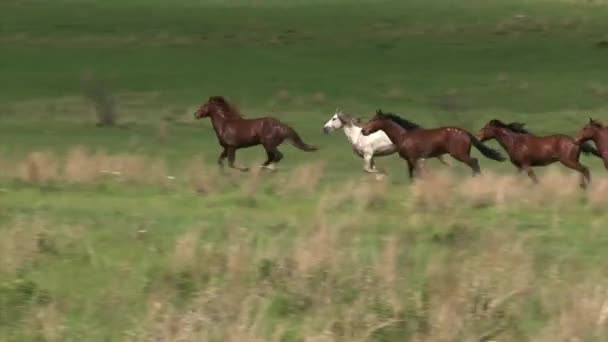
(234,132)
(413,145)
(598,133)
(527,150)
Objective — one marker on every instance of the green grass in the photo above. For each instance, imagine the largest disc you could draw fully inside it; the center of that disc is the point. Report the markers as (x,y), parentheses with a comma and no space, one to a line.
(318,250)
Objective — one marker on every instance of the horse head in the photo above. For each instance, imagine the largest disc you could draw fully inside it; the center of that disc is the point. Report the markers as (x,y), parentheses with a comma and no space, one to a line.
(216,104)
(588,131)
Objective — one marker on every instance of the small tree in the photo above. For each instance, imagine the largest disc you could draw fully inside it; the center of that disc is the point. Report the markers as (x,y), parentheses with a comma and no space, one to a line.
(97,92)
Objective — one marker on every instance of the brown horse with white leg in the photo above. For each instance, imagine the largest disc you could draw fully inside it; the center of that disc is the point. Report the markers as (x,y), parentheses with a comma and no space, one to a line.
(598,133)
(429,143)
(234,132)
(527,150)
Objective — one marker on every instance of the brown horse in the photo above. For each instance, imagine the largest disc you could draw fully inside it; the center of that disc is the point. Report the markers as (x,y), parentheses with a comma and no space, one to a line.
(598,133)
(413,145)
(527,150)
(234,132)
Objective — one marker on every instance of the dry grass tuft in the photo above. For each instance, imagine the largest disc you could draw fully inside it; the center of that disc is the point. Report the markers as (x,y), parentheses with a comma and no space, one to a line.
(395,93)
(305,177)
(319,97)
(476,295)
(433,191)
(581,312)
(503,77)
(184,258)
(253,181)
(598,89)
(598,193)
(39,167)
(81,167)
(491,189)
(164,133)
(46,323)
(282,95)
(317,248)
(23,240)
(199,176)
(209,317)
(19,244)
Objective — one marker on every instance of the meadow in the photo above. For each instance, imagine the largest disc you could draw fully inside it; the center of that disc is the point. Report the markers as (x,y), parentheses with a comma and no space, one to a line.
(117,225)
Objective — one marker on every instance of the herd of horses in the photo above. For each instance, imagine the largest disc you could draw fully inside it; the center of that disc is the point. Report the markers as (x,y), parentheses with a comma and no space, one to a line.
(388,133)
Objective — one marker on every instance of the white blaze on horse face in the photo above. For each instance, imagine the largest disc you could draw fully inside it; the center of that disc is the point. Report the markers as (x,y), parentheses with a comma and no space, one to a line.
(333,123)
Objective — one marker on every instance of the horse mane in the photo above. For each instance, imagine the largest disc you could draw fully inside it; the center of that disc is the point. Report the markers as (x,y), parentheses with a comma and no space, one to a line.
(227,107)
(404,123)
(516,127)
(350,118)
(596,123)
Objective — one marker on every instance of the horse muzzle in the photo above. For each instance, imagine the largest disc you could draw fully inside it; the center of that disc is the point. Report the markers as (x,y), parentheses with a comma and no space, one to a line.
(326,130)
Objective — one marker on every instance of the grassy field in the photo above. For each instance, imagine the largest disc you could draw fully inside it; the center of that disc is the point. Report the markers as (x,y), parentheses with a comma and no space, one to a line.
(131,232)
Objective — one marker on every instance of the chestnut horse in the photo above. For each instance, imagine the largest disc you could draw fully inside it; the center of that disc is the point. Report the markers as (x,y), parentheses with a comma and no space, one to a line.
(527,150)
(234,132)
(598,133)
(413,145)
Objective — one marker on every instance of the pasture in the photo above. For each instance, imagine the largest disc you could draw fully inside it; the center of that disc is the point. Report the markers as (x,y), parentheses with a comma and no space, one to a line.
(128,231)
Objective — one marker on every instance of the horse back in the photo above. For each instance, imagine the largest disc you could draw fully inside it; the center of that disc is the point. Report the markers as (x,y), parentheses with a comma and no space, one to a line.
(436,141)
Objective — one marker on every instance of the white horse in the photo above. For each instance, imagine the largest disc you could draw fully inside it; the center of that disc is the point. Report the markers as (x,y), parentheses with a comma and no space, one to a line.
(367,147)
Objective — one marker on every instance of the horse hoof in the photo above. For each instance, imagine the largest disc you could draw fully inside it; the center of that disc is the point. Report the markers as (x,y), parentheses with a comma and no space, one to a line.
(270,167)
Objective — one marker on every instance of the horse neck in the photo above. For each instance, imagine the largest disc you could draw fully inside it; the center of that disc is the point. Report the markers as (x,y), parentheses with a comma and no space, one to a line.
(352,132)
(218,118)
(600,136)
(393,131)
(505,138)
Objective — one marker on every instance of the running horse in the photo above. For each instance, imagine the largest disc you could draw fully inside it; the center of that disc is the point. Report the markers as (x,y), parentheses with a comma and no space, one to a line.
(234,132)
(366,146)
(429,143)
(527,150)
(598,133)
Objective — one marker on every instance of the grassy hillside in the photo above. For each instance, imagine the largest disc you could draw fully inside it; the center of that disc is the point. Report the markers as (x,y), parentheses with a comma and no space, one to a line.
(131,232)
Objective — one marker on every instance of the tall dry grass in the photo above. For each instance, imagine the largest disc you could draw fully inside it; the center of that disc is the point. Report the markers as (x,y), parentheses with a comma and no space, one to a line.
(432,191)
(325,291)
(365,264)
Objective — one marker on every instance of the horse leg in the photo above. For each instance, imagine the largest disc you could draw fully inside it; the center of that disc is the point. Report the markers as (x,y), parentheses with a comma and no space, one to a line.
(271,155)
(368,160)
(530,173)
(231,151)
(276,158)
(473,163)
(220,159)
(269,158)
(576,165)
(413,168)
(443,161)
(410,169)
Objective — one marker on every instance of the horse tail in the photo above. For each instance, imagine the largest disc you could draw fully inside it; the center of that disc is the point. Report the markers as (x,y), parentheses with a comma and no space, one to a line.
(296,141)
(485,150)
(587,148)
